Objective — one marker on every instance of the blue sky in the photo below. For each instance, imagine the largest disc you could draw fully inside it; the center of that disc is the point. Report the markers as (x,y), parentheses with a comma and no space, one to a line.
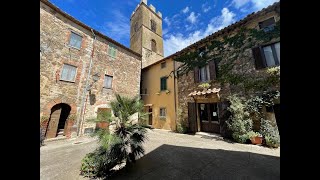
(184,21)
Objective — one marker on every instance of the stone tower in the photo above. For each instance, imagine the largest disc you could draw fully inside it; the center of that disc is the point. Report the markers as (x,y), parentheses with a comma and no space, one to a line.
(146,33)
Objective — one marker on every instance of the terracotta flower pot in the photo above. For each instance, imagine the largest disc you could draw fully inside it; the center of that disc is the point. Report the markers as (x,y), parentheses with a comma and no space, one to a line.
(256,140)
(102,125)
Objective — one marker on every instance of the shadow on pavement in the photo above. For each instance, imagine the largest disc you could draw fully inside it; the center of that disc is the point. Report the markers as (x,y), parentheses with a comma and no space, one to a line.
(181,163)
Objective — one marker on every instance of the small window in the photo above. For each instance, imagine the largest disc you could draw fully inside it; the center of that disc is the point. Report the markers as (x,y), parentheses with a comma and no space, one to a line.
(163,65)
(267,56)
(153,45)
(153,25)
(107,82)
(267,25)
(163,113)
(112,51)
(68,73)
(204,74)
(201,51)
(163,83)
(136,27)
(75,40)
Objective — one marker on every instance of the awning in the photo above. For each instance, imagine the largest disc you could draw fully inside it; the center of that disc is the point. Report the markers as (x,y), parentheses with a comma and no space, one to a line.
(205,92)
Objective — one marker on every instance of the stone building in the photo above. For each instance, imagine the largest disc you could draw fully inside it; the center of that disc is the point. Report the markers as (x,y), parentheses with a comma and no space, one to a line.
(80,71)
(243,49)
(238,57)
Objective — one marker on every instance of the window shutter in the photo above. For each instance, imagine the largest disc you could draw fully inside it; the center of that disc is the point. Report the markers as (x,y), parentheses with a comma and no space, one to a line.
(192,117)
(114,52)
(212,70)
(258,58)
(196,74)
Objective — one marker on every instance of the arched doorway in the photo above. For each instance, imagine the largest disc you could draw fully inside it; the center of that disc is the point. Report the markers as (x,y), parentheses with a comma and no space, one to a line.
(57,121)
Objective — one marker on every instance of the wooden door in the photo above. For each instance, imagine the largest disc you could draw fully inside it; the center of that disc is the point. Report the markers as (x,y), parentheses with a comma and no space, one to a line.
(209,120)
(150,116)
(53,123)
(192,117)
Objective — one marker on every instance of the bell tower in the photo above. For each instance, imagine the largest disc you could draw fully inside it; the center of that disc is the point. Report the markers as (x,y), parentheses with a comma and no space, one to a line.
(146,33)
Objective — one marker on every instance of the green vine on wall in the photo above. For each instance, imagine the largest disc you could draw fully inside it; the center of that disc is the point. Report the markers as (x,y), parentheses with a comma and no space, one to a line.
(229,49)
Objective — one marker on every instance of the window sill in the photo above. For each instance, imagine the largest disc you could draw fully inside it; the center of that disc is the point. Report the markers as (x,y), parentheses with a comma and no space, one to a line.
(107,88)
(162,118)
(67,81)
(74,47)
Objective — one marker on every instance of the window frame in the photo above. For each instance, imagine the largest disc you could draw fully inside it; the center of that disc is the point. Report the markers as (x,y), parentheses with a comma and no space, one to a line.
(70,36)
(163,65)
(207,69)
(165,113)
(259,58)
(106,75)
(163,77)
(267,28)
(113,48)
(75,75)
(153,24)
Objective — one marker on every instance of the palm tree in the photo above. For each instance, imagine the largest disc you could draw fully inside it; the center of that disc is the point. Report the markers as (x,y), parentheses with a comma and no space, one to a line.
(123,144)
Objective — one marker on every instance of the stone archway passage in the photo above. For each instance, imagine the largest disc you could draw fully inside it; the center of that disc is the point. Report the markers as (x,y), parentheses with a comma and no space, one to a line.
(57,121)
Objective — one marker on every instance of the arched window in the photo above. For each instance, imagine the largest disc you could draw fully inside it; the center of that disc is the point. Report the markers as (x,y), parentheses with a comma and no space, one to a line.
(153,45)
(153,25)
(136,27)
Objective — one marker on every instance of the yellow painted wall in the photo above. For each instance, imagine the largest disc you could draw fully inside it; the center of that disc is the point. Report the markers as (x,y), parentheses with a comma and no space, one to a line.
(151,80)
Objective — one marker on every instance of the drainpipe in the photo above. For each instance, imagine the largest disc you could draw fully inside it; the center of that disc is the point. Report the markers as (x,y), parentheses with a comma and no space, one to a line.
(85,87)
(174,90)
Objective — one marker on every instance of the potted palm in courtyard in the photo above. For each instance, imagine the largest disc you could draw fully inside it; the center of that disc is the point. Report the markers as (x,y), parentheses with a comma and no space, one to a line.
(121,144)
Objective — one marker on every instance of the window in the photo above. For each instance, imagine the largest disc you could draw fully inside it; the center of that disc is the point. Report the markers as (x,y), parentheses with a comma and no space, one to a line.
(112,51)
(163,83)
(153,25)
(68,73)
(204,74)
(163,65)
(163,112)
(267,25)
(107,82)
(136,27)
(201,51)
(267,56)
(75,40)
(153,45)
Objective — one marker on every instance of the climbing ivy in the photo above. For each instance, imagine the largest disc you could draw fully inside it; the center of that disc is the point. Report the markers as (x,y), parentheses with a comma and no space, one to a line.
(229,49)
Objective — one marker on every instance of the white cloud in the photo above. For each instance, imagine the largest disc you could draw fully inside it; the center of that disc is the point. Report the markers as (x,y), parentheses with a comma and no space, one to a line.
(185,10)
(176,42)
(192,18)
(166,20)
(119,28)
(254,5)
(205,7)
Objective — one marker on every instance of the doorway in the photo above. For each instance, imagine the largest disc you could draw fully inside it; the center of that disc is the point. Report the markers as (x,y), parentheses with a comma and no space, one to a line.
(208,115)
(57,120)
(150,116)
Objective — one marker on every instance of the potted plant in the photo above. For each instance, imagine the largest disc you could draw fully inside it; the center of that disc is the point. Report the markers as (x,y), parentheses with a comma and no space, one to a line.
(255,137)
(204,86)
(167,91)
(103,120)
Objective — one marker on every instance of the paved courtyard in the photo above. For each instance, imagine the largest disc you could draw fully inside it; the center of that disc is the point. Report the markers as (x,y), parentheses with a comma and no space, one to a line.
(170,156)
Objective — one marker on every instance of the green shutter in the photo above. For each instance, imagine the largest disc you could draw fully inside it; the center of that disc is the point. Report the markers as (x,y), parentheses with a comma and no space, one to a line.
(163,83)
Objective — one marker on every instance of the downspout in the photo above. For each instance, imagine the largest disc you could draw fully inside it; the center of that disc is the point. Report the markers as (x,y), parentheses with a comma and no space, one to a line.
(85,87)
(174,90)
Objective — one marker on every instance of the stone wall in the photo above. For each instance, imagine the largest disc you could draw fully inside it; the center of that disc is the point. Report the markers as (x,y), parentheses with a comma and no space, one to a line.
(55,29)
(244,64)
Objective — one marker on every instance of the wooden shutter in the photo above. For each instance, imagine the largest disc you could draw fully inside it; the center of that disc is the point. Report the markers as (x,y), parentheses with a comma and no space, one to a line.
(192,117)
(258,57)
(196,74)
(223,115)
(212,70)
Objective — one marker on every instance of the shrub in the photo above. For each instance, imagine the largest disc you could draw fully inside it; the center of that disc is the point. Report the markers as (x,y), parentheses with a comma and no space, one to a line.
(270,133)
(239,122)
(181,127)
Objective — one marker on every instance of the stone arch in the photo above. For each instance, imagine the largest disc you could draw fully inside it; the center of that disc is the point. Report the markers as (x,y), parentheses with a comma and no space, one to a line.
(49,106)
